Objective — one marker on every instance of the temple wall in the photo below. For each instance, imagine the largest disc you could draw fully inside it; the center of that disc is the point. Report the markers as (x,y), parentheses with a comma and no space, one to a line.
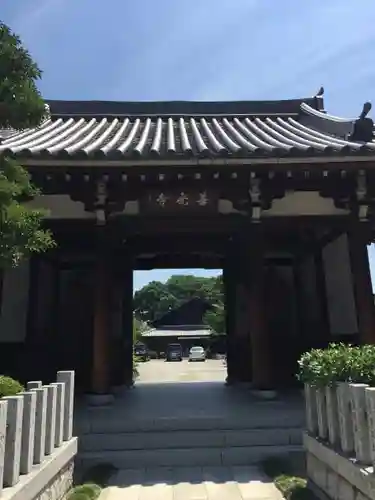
(309,291)
(61,206)
(14,306)
(339,288)
(286,275)
(297,203)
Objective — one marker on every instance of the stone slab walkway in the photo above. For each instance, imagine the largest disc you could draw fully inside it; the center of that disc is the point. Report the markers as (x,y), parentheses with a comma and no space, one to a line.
(193,483)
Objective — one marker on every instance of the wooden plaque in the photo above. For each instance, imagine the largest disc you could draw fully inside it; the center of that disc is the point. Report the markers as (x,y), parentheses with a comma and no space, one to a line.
(180,202)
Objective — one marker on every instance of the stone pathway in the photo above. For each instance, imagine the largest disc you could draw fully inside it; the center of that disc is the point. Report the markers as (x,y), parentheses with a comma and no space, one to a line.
(193,483)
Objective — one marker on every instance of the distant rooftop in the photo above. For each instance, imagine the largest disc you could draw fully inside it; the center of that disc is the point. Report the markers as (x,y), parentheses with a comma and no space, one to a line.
(181,331)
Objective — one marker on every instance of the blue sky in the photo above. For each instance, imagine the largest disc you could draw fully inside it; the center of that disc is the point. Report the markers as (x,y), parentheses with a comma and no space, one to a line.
(201,50)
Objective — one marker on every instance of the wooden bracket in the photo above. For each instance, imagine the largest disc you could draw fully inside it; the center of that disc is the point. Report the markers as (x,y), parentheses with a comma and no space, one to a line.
(361,195)
(101,202)
(255,196)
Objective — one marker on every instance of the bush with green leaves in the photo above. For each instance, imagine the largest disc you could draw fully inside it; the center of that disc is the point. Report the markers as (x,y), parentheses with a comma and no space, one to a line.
(9,386)
(84,492)
(281,470)
(293,488)
(338,363)
(136,362)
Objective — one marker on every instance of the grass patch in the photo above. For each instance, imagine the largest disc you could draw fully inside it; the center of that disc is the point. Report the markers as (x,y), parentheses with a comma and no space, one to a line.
(292,487)
(84,492)
(94,479)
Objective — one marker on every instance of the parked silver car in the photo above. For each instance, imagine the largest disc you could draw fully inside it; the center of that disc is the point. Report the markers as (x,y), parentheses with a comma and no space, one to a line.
(197,353)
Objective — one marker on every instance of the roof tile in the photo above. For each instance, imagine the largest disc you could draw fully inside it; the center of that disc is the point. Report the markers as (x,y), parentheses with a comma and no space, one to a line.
(153,136)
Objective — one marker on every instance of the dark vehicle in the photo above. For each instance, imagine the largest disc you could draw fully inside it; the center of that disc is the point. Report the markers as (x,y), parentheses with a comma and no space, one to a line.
(174,352)
(141,352)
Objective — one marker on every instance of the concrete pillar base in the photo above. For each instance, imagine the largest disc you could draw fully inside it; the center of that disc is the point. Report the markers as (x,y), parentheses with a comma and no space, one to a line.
(266,395)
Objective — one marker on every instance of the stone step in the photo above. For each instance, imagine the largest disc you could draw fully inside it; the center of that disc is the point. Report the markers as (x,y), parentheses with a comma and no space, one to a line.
(152,440)
(99,422)
(179,457)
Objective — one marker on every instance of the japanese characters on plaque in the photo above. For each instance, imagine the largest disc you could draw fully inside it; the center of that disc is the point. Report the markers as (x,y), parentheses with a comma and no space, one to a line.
(181,200)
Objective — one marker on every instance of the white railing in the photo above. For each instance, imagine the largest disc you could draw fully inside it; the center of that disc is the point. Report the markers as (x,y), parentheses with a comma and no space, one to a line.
(340,440)
(343,416)
(33,424)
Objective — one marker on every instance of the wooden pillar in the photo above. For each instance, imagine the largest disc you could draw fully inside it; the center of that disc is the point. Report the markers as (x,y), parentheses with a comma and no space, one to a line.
(101,331)
(230,311)
(362,285)
(323,335)
(243,332)
(262,376)
(127,320)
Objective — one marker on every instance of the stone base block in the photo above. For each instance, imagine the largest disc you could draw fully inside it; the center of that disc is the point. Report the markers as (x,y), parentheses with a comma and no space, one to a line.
(334,476)
(49,481)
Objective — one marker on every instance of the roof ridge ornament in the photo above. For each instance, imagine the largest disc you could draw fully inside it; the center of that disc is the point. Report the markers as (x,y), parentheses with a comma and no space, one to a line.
(363,129)
(320,92)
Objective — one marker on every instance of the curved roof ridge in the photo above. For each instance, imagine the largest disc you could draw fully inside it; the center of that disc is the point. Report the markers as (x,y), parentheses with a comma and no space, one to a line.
(178,108)
(324,115)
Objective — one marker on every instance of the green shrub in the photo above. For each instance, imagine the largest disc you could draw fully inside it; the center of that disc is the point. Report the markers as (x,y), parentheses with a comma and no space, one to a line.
(135,367)
(9,386)
(293,488)
(338,363)
(280,470)
(84,492)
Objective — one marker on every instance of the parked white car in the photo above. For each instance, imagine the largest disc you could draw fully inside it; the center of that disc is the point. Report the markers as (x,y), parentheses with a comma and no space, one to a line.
(197,353)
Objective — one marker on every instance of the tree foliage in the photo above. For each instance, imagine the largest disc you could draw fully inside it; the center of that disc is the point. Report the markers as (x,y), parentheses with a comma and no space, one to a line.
(138,328)
(21,106)
(156,298)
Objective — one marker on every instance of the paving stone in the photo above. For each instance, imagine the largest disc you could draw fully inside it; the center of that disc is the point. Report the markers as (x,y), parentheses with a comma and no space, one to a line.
(254,484)
(191,483)
(220,484)
(188,484)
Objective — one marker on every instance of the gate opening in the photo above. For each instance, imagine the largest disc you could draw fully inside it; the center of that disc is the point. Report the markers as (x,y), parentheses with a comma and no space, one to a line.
(179,326)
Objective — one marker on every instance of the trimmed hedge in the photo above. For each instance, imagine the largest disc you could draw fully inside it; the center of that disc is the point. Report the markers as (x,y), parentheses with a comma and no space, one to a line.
(9,386)
(338,363)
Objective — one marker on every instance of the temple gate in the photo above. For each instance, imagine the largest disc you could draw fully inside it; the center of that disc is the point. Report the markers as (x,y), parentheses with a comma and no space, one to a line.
(278,194)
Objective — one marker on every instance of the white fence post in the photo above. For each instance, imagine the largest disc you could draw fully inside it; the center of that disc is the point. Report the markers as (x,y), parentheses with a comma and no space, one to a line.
(3,428)
(332,416)
(40,425)
(34,384)
(370,405)
(50,418)
(345,417)
(28,431)
(360,424)
(321,408)
(67,377)
(311,413)
(60,399)
(13,440)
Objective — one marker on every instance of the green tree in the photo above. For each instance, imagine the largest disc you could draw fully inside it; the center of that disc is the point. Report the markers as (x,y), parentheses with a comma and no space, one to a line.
(215,318)
(21,106)
(156,299)
(138,328)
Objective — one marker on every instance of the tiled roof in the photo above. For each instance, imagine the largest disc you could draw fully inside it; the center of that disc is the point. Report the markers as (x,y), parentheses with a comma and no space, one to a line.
(178,130)
(159,332)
